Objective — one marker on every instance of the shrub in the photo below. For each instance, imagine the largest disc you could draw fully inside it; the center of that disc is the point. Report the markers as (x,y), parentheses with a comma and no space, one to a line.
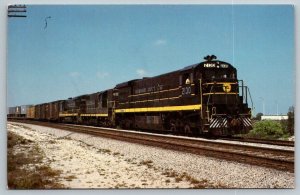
(268,130)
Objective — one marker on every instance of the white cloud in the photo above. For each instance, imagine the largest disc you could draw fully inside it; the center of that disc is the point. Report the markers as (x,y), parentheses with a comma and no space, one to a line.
(160,42)
(102,75)
(141,72)
(74,74)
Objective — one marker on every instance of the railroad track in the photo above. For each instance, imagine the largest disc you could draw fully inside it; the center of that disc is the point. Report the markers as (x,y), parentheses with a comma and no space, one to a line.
(262,141)
(281,159)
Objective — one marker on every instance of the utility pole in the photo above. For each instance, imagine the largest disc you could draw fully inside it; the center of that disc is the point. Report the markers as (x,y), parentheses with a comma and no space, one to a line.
(16,11)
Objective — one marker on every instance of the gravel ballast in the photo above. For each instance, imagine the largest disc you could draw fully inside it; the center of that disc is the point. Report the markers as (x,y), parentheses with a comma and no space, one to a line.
(94,162)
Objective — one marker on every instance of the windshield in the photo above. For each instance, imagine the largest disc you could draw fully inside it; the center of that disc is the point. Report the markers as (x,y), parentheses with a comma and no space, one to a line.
(220,74)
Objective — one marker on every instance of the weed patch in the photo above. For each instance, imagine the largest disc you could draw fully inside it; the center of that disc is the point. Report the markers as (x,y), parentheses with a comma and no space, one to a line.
(198,184)
(104,151)
(148,163)
(24,170)
(70,178)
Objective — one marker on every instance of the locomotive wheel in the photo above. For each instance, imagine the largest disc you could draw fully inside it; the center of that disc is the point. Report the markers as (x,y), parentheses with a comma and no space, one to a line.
(187,129)
(173,128)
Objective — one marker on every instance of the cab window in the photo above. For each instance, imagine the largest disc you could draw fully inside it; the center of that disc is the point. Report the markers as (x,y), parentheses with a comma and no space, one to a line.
(220,74)
(187,78)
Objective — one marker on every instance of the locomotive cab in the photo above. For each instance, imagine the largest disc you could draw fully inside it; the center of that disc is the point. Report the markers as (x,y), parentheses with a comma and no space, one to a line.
(224,110)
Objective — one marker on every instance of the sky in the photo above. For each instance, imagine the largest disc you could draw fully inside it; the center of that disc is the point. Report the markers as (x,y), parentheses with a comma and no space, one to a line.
(85,49)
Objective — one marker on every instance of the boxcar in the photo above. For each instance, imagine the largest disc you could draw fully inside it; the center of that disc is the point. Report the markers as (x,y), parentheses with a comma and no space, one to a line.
(12,111)
(24,110)
(37,109)
(18,111)
(30,114)
(43,112)
(54,109)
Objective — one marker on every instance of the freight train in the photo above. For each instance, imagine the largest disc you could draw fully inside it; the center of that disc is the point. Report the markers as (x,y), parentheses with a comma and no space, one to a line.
(201,99)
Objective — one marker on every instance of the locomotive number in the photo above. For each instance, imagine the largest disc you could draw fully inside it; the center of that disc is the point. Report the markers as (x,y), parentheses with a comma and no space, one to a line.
(186,90)
(209,65)
(224,66)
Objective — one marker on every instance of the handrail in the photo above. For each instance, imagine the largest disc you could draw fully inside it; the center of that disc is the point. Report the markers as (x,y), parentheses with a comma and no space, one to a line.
(250,98)
(244,95)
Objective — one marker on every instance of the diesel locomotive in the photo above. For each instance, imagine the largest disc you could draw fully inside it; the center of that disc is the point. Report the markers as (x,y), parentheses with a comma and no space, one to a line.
(204,98)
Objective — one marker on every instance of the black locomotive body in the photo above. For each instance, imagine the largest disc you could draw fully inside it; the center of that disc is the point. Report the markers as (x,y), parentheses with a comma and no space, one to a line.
(90,109)
(69,110)
(203,98)
(96,109)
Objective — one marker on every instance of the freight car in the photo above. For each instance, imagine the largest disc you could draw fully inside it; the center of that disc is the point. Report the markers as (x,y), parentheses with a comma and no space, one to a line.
(54,108)
(203,98)
(30,113)
(11,112)
(18,111)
